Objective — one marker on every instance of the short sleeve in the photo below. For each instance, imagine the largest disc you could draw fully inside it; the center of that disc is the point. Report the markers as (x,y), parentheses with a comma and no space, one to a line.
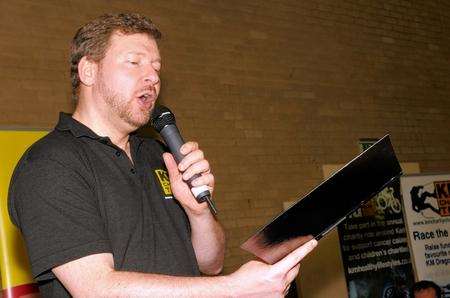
(55,207)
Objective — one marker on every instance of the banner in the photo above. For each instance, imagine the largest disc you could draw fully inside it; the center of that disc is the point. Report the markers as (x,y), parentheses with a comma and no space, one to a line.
(374,248)
(15,269)
(426,200)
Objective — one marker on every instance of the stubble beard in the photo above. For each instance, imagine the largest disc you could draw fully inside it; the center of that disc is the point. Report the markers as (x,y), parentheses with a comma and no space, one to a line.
(123,107)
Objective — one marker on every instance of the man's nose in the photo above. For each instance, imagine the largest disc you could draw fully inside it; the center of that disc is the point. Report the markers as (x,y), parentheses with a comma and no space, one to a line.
(152,77)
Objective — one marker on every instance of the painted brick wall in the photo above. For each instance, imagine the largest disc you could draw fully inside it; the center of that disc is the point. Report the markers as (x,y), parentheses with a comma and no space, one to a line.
(271,89)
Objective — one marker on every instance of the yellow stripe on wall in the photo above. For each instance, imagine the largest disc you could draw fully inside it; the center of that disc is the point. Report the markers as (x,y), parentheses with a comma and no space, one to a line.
(14,264)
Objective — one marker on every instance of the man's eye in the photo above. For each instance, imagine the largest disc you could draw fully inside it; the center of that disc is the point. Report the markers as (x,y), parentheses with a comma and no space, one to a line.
(157,67)
(133,62)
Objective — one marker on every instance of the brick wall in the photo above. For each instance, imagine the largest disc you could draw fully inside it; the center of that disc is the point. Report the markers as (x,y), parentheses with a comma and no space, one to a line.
(271,89)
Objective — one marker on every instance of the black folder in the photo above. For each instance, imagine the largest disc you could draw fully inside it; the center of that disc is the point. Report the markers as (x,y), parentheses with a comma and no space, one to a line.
(328,204)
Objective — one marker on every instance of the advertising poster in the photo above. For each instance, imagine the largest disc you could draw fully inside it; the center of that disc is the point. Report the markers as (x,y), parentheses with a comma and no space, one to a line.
(374,248)
(426,200)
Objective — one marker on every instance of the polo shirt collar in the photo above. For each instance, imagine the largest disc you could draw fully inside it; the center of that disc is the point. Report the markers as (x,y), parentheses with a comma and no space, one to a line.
(68,123)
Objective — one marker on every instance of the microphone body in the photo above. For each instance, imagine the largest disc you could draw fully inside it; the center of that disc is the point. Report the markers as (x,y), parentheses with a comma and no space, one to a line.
(163,121)
(174,141)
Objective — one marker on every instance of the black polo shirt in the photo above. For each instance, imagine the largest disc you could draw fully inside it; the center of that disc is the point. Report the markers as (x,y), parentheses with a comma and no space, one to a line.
(74,194)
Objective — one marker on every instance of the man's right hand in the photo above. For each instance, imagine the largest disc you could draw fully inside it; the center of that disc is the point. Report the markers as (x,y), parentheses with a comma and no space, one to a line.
(95,276)
(258,279)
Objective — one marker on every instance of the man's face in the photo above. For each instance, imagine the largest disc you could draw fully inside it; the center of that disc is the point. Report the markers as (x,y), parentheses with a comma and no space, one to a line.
(128,78)
(425,293)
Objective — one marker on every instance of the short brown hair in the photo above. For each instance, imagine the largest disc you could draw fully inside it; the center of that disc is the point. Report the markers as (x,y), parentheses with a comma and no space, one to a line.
(92,40)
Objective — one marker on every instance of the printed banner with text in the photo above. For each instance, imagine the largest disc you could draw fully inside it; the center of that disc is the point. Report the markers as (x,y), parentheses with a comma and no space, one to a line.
(426,200)
(374,248)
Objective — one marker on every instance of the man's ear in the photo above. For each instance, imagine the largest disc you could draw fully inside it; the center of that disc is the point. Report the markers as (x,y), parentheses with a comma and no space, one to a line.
(87,71)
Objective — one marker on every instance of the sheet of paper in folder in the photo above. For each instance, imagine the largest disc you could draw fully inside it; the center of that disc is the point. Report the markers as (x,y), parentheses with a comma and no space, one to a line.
(328,204)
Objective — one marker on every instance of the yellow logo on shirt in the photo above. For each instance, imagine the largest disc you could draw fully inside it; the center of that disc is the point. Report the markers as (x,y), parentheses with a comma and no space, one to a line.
(164,182)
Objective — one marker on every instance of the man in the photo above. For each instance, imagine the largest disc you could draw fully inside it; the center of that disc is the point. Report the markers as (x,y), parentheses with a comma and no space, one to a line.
(426,289)
(88,197)
(418,197)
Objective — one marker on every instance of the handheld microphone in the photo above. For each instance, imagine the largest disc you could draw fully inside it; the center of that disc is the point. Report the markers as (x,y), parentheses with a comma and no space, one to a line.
(163,121)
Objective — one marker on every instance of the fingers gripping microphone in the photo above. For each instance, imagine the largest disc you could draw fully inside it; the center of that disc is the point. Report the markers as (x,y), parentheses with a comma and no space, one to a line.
(163,121)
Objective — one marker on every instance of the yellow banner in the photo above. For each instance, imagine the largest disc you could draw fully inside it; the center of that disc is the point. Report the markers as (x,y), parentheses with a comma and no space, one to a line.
(14,264)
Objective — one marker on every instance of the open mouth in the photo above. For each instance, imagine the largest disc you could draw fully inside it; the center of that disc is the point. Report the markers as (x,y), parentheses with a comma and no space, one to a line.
(144,97)
(146,100)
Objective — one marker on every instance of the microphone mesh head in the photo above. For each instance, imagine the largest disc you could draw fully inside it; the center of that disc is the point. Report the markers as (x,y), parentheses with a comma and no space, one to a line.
(162,116)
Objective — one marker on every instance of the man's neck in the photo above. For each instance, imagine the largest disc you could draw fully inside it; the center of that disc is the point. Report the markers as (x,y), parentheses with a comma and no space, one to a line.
(103,125)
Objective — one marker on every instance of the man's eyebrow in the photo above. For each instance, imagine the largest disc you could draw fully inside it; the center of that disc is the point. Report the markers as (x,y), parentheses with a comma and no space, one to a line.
(139,53)
(136,53)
